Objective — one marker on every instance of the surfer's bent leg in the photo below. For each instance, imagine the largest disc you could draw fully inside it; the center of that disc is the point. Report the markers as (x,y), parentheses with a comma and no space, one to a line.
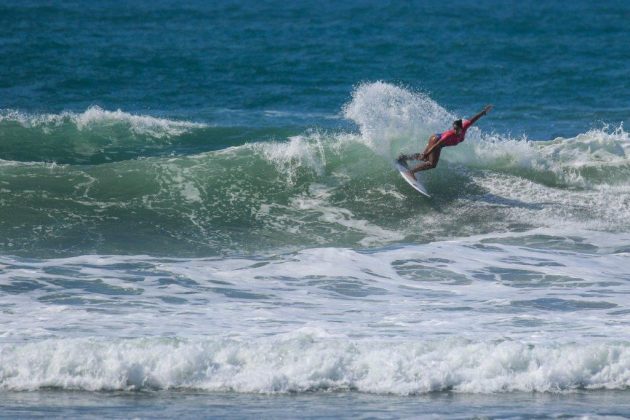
(419,156)
(432,140)
(430,161)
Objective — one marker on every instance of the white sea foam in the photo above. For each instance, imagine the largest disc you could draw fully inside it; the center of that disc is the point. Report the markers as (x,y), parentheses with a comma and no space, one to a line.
(304,361)
(385,113)
(298,152)
(539,286)
(534,311)
(599,156)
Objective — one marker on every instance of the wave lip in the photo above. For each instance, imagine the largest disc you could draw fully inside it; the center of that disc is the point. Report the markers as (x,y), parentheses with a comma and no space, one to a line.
(90,137)
(95,115)
(307,361)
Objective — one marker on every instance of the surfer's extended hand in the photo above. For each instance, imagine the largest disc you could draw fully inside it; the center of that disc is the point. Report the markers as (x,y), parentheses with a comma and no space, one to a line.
(487,109)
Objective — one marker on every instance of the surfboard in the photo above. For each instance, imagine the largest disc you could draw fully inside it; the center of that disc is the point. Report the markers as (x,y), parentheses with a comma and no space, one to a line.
(415,183)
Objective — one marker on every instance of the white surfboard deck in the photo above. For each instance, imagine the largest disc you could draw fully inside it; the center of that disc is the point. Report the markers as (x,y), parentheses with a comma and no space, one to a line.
(415,184)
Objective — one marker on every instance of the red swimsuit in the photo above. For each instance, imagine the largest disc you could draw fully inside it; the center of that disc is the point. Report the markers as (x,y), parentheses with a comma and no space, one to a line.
(450,138)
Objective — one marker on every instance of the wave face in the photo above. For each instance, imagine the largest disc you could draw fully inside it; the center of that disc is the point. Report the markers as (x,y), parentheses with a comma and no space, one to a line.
(159,194)
(99,136)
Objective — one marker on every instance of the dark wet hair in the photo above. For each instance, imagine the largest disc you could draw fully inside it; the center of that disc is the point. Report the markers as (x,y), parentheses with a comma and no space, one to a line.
(458,123)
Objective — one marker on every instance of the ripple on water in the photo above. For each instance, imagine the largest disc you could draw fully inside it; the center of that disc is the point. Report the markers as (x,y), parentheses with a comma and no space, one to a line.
(562,305)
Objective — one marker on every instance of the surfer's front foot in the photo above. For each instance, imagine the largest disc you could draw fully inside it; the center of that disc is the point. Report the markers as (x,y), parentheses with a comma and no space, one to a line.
(402,159)
(411,174)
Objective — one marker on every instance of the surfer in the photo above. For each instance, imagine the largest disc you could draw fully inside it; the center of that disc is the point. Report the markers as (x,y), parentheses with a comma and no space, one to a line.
(453,137)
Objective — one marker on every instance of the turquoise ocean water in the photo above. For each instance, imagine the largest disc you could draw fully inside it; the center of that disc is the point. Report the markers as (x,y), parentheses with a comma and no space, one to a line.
(199,213)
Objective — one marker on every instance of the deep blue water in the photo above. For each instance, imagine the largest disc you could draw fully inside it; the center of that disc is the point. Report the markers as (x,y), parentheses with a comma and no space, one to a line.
(552,69)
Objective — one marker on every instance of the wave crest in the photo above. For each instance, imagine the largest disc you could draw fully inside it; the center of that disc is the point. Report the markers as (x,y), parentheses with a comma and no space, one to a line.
(93,136)
(95,116)
(307,361)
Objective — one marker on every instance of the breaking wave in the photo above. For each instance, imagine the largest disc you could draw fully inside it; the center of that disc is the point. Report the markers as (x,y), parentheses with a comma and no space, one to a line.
(305,362)
(318,188)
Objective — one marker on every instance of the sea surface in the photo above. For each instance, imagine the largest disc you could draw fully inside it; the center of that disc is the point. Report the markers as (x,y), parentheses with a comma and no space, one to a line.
(200,216)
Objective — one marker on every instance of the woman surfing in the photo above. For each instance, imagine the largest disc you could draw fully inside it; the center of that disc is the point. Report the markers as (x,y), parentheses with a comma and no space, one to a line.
(431,154)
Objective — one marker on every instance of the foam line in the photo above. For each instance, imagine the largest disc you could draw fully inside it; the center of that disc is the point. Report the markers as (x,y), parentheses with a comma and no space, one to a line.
(308,361)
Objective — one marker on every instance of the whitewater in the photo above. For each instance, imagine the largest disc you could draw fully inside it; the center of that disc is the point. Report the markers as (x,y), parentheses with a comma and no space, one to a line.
(138,256)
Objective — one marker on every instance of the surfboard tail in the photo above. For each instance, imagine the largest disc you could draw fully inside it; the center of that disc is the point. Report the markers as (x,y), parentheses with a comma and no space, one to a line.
(411,179)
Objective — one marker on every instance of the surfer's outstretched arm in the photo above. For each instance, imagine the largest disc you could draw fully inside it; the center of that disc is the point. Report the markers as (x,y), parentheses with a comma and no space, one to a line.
(487,109)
